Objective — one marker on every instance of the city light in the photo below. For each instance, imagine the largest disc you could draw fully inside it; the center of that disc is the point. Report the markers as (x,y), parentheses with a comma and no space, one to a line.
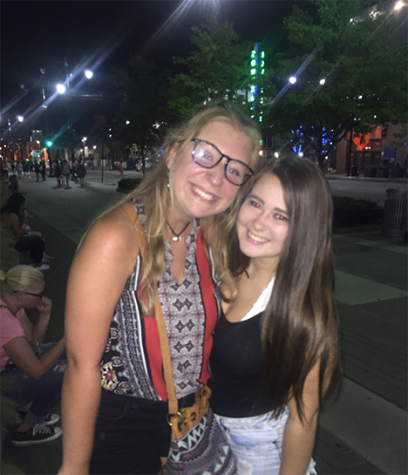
(88,74)
(300,154)
(61,88)
(399,5)
(127,122)
(292,79)
(84,139)
(20,118)
(322,82)
(276,154)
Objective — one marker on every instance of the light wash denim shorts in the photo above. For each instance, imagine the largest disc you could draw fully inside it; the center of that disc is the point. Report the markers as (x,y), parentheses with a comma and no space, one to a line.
(257,443)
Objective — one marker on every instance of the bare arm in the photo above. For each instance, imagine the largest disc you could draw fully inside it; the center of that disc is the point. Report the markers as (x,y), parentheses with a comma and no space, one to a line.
(15,223)
(98,275)
(19,350)
(299,436)
(36,333)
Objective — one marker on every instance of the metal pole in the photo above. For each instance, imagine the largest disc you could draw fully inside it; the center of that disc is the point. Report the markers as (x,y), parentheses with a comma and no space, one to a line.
(103,152)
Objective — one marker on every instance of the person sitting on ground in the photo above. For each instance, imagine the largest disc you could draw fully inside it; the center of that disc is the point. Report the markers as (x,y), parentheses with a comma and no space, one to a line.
(12,215)
(36,370)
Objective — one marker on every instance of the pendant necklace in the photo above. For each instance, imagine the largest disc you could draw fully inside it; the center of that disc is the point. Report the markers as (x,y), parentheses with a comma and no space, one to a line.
(177,237)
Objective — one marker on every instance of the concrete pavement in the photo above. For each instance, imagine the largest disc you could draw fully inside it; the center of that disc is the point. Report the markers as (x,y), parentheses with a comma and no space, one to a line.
(364,432)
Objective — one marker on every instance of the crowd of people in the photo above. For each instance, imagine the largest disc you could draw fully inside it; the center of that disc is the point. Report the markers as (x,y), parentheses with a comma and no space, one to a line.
(240,263)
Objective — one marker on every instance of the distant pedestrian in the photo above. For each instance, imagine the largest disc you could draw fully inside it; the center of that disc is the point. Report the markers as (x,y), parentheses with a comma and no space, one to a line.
(37,170)
(66,172)
(42,169)
(26,169)
(20,170)
(58,172)
(121,174)
(81,172)
(4,169)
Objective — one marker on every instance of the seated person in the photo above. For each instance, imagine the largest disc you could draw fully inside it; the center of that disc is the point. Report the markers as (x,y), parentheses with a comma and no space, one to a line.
(12,215)
(35,370)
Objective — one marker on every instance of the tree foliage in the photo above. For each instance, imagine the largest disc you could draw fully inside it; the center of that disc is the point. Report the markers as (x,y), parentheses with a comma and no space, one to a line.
(364,72)
(218,68)
(143,91)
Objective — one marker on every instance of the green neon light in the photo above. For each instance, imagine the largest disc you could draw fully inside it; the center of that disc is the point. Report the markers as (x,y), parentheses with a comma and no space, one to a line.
(253,62)
(253,72)
(263,71)
(263,54)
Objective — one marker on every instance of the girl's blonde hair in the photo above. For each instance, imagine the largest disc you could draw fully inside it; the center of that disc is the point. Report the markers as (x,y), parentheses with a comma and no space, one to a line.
(20,278)
(157,199)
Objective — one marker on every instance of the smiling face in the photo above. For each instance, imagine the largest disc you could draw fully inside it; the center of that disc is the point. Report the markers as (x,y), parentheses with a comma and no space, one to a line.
(201,192)
(263,221)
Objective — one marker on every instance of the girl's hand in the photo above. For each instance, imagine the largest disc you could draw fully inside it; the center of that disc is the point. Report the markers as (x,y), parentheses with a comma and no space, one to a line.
(44,305)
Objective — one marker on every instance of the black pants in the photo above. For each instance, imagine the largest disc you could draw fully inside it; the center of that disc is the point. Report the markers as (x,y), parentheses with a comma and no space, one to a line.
(131,435)
(34,244)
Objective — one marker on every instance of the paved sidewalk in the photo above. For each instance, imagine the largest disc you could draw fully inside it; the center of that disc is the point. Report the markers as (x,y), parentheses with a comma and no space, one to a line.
(371,292)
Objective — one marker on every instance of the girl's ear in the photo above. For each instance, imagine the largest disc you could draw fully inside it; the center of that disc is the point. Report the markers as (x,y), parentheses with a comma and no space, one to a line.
(172,155)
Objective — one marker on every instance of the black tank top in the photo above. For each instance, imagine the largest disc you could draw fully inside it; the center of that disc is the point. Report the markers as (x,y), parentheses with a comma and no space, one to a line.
(236,366)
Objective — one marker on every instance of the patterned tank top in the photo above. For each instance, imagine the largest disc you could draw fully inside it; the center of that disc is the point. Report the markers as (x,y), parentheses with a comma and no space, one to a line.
(132,363)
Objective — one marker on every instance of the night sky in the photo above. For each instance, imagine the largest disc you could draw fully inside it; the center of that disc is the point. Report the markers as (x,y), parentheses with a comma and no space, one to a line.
(102,35)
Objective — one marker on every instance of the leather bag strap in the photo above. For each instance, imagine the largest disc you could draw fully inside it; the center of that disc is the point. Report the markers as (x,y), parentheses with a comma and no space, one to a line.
(161,324)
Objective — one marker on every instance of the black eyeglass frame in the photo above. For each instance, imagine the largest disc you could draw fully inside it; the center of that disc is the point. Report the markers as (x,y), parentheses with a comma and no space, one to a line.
(40,296)
(247,176)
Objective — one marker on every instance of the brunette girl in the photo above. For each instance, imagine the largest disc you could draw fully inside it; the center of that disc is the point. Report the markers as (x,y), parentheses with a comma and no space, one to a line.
(276,351)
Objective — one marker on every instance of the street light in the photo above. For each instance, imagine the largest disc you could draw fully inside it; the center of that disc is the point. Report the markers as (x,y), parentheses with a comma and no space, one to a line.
(127,122)
(20,118)
(399,5)
(61,88)
(88,74)
(292,79)
(322,82)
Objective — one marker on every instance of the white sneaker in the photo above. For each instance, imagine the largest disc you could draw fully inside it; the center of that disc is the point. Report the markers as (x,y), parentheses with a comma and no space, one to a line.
(42,267)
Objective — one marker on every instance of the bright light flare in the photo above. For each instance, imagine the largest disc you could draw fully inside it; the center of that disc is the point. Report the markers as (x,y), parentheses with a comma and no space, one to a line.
(88,74)
(292,79)
(20,118)
(276,154)
(127,122)
(322,82)
(399,5)
(300,154)
(61,88)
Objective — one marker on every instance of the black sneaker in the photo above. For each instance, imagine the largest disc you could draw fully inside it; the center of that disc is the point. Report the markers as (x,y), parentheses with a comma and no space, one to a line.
(51,419)
(37,435)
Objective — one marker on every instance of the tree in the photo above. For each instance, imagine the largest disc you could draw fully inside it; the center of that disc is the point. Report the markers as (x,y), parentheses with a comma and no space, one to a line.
(218,68)
(139,117)
(364,76)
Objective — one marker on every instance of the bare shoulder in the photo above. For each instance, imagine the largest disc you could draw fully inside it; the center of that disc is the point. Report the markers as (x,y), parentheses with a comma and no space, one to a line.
(112,231)
(111,241)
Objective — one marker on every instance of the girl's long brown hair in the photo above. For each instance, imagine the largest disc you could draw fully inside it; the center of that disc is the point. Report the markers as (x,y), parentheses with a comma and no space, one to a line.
(299,327)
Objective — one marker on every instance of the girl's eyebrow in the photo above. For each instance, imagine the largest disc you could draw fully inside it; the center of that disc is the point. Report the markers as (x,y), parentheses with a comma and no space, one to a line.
(251,195)
(279,210)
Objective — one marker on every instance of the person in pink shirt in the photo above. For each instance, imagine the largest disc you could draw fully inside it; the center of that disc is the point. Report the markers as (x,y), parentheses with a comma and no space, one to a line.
(35,370)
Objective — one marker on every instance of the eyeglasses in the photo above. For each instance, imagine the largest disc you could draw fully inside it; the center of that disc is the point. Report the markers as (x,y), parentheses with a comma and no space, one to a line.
(207,155)
(30,293)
